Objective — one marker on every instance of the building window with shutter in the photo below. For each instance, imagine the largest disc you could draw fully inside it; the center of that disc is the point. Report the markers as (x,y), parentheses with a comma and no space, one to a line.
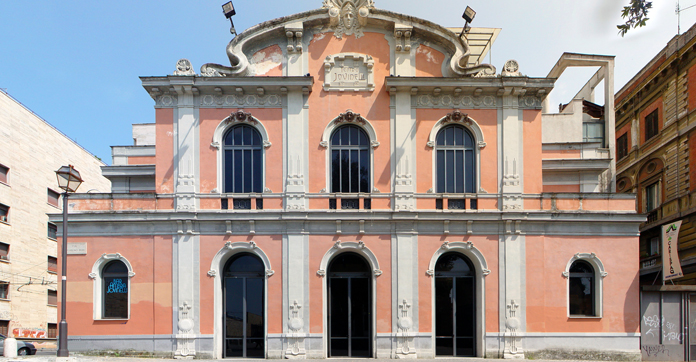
(52,264)
(4,290)
(622,146)
(52,297)
(4,213)
(4,327)
(4,172)
(4,251)
(53,198)
(52,231)
(52,330)
(651,125)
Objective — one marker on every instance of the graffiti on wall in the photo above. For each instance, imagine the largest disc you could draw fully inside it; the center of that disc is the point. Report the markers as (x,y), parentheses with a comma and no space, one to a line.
(670,331)
(655,350)
(20,332)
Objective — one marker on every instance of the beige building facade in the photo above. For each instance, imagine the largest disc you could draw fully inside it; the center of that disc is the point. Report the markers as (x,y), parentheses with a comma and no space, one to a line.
(30,152)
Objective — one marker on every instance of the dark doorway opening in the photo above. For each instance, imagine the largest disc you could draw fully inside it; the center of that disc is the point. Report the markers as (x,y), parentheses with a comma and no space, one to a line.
(243,293)
(350,306)
(455,306)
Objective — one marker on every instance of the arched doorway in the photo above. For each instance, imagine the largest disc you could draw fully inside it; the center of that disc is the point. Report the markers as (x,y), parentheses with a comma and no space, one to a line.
(349,306)
(455,306)
(244,303)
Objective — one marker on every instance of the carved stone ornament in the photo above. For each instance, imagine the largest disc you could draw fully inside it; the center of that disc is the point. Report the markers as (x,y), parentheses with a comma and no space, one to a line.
(240,116)
(212,273)
(349,72)
(458,117)
(511,69)
(348,16)
(184,67)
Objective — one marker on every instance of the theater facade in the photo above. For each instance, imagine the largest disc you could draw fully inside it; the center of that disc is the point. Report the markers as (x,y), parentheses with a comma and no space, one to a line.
(358,183)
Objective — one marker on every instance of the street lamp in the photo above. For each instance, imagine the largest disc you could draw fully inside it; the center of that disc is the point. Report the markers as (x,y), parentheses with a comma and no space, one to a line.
(468,16)
(68,180)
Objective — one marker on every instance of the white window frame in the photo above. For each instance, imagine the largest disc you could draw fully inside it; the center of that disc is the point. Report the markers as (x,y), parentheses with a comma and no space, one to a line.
(97,295)
(344,119)
(470,124)
(599,274)
(239,117)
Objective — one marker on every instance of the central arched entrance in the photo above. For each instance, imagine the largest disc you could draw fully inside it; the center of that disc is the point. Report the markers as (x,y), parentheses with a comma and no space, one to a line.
(455,306)
(349,306)
(243,298)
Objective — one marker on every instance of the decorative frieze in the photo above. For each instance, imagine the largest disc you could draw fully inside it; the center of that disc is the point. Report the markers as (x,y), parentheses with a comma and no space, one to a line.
(451,100)
(241,100)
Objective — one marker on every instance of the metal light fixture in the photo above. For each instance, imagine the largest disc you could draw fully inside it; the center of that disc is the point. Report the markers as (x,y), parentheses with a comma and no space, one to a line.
(228,10)
(468,16)
(68,180)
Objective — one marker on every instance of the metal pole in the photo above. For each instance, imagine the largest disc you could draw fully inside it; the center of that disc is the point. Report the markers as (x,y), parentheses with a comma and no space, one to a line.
(63,326)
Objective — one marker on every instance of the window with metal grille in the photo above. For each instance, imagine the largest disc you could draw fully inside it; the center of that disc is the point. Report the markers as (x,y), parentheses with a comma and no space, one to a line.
(4,290)
(52,231)
(52,330)
(455,161)
(4,171)
(350,160)
(52,297)
(4,213)
(52,264)
(53,198)
(243,160)
(651,125)
(4,251)
(622,146)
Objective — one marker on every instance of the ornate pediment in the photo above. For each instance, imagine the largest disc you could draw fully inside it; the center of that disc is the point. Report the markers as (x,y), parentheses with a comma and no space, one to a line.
(348,16)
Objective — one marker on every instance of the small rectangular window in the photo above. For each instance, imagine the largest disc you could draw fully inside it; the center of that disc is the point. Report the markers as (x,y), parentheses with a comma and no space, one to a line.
(4,290)
(4,251)
(651,125)
(52,330)
(241,204)
(4,213)
(367,204)
(52,297)
(52,264)
(438,204)
(53,198)
(456,204)
(4,327)
(332,204)
(651,197)
(622,146)
(4,172)
(52,231)
(654,246)
(350,204)
(224,204)
(259,204)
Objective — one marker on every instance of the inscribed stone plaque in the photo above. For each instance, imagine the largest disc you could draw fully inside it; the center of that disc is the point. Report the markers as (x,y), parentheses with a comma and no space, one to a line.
(349,72)
(77,248)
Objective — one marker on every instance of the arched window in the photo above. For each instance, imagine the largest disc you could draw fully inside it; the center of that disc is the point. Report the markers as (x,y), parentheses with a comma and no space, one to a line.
(455,160)
(243,160)
(350,160)
(581,289)
(115,290)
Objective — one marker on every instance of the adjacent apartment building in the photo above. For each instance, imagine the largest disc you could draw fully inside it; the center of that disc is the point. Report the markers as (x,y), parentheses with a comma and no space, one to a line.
(656,159)
(357,183)
(31,150)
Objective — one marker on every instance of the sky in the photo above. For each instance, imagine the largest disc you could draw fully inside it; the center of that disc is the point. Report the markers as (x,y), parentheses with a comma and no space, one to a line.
(77,63)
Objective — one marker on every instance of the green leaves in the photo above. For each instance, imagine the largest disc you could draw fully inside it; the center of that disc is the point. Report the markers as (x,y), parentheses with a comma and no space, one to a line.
(635,14)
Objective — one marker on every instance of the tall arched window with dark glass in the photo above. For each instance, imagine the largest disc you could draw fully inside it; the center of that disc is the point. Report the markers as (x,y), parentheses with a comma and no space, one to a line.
(243,160)
(115,290)
(456,162)
(350,160)
(581,289)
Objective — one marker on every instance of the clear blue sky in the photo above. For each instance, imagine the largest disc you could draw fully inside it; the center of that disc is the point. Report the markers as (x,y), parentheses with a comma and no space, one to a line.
(76,63)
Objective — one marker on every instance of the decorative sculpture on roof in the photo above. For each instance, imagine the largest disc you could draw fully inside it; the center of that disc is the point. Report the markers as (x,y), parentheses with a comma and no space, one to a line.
(348,16)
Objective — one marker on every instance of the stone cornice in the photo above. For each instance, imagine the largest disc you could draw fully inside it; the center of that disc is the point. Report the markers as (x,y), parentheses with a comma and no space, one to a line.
(172,84)
(498,86)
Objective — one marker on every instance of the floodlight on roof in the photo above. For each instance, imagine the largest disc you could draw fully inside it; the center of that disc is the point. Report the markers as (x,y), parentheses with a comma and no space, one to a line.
(469,14)
(228,10)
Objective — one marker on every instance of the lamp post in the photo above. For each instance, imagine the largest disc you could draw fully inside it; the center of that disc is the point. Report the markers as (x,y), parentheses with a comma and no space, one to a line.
(68,180)
(468,16)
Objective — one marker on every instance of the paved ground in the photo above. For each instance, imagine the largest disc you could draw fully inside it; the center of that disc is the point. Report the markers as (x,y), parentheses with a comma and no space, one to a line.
(51,358)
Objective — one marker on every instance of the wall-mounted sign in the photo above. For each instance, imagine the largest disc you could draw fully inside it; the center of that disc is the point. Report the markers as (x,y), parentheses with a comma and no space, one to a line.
(77,248)
(671,267)
(349,72)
